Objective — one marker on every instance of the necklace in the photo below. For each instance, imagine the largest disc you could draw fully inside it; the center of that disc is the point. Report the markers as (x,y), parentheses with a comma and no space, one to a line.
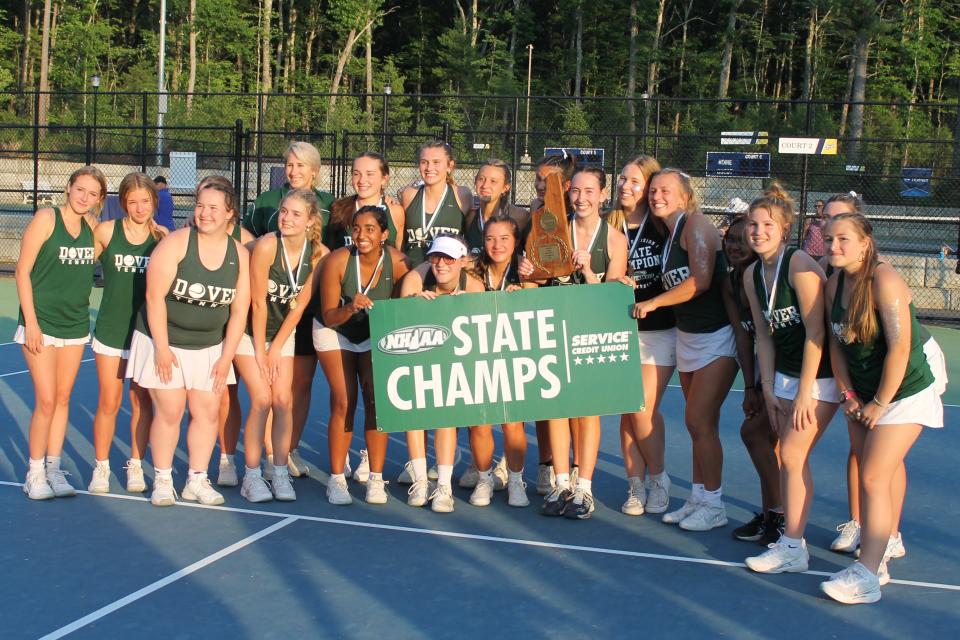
(769,298)
(373,276)
(667,247)
(293,278)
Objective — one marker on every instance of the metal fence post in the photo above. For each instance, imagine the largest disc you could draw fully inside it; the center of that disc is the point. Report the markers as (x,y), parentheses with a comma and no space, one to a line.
(88,156)
(36,146)
(803,182)
(516,147)
(143,133)
(656,131)
(446,132)
(260,106)
(238,158)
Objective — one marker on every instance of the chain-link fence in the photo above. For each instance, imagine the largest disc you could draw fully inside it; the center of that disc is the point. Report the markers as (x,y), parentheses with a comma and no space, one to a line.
(904,161)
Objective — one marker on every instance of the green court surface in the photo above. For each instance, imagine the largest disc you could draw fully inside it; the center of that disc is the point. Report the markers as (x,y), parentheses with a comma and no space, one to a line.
(111,566)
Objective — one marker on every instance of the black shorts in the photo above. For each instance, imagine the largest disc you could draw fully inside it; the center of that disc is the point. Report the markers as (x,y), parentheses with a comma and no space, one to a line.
(303,340)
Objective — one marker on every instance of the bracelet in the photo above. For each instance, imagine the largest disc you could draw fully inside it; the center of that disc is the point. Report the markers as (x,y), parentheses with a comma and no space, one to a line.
(847,394)
(879,404)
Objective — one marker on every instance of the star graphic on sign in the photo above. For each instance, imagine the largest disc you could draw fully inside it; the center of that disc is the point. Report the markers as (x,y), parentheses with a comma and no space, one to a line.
(613,359)
(589,359)
(624,357)
(602,359)
(578,361)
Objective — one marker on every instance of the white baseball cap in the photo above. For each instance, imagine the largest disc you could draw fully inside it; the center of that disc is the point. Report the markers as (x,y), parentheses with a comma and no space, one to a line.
(448,246)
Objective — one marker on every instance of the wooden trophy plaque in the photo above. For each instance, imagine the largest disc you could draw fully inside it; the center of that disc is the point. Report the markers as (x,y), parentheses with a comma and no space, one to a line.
(548,243)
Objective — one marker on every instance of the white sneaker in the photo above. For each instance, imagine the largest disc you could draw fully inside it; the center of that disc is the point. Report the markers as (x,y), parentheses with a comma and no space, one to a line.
(853,585)
(895,548)
(376,492)
(636,496)
(517,493)
(36,486)
(362,474)
(255,489)
(199,488)
(574,476)
(347,469)
(406,474)
(441,501)
(226,474)
(100,482)
(282,487)
(433,473)
(469,478)
(135,480)
(163,494)
(883,573)
(298,466)
(501,475)
(779,558)
(658,496)
(337,492)
(676,517)
(482,493)
(57,479)
(705,518)
(419,493)
(849,538)
(546,479)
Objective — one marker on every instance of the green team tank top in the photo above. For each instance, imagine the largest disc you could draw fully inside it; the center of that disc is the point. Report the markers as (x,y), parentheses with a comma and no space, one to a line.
(784,320)
(357,328)
(421,227)
(199,299)
(744,314)
(512,276)
(124,287)
(235,233)
(865,360)
(61,279)
(339,235)
(599,256)
(281,288)
(705,313)
(262,218)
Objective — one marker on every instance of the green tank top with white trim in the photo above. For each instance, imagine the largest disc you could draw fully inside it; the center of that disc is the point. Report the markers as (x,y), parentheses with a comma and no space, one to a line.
(61,279)
(357,328)
(279,290)
(865,360)
(599,257)
(124,287)
(420,228)
(789,334)
(706,313)
(199,299)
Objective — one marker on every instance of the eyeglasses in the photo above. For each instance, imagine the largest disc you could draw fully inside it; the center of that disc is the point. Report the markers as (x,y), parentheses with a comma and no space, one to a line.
(437,258)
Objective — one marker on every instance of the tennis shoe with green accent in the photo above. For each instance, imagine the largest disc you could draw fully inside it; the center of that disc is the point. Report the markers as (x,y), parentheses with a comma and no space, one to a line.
(780,558)
(853,585)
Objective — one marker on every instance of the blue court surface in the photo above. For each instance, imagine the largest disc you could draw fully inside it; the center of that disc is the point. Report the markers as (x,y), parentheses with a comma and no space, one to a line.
(112,565)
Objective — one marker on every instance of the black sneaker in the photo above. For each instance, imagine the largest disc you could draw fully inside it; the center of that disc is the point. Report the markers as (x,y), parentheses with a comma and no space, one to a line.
(556,502)
(751,531)
(580,506)
(773,528)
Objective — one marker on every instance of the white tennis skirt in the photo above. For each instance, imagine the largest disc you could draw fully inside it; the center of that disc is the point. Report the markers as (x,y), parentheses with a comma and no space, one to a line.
(20,337)
(923,407)
(326,339)
(824,389)
(193,373)
(937,363)
(104,350)
(245,348)
(697,350)
(659,347)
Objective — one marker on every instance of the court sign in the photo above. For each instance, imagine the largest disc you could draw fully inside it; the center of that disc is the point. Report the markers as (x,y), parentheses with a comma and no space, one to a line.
(584,157)
(808,146)
(490,358)
(744,137)
(738,164)
(916,182)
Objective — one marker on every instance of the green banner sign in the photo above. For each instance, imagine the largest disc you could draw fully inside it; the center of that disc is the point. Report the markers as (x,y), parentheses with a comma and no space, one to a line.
(490,358)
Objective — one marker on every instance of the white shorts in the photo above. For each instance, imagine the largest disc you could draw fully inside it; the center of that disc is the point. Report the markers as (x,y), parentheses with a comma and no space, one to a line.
(20,337)
(659,347)
(697,350)
(824,389)
(923,407)
(104,350)
(937,363)
(326,339)
(245,348)
(192,373)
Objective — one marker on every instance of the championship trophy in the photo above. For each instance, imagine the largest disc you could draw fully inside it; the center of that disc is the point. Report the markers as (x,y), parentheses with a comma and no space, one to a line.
(548,243)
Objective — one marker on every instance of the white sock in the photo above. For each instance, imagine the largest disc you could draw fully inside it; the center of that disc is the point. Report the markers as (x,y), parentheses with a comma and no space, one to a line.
(337,476)
(713,498)
(280,469)
(135,462)
(37,465)
(661,477)
(585,485)
(104,464)
(515,476)
(163,473)
(191,474)
(793,543)
(53,462)
(253,472)
(696,492)
(486,476)
(419,469)
(563,480)
(376,477)
(445,474)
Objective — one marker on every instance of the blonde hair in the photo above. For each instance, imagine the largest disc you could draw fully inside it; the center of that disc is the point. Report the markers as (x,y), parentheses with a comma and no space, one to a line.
(132,182)
(778,203)
(648,166)
(97,175)
(862,325)
(314,230)
(309,154)
(693,205)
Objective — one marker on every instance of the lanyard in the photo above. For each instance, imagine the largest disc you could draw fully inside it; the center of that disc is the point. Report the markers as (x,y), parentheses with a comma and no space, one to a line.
(666,249)
(293,278)
(373,276)
(433,216)
(503,282)
(769,299)
(636,241)
(593,238)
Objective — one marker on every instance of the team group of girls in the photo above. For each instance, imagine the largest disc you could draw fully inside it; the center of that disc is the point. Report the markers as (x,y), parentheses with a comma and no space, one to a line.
(184,313)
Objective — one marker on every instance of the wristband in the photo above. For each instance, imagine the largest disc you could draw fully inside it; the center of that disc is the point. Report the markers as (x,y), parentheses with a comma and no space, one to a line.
(847,394)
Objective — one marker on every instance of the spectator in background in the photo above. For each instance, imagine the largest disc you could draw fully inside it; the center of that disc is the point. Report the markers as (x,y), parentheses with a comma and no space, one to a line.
(813,233)
(164,216)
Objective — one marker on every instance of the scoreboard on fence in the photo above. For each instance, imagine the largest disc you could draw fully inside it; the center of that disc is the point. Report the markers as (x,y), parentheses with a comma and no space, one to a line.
(583,156)
(738,164)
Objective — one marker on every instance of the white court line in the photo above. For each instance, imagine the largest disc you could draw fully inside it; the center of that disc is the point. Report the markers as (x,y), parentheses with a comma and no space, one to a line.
(676,386)
(16,373)
(484,538)
(173,577)
(3,344)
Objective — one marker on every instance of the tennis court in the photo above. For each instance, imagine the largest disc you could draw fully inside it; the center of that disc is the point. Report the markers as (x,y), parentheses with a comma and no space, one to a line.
(112,565)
